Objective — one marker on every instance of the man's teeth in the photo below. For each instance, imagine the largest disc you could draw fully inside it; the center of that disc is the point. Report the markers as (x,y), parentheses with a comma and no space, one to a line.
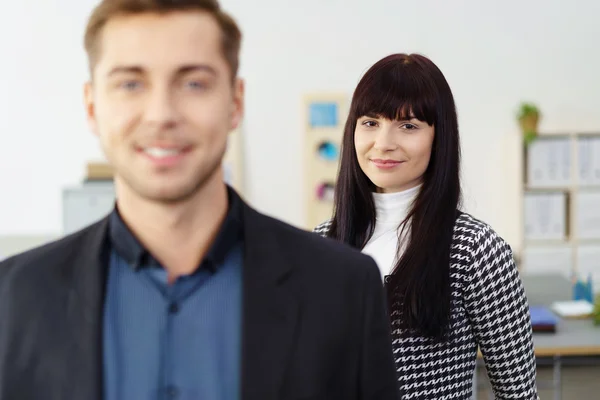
(159,152)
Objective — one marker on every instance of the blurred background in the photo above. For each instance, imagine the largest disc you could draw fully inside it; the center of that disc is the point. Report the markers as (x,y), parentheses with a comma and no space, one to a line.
(525,79)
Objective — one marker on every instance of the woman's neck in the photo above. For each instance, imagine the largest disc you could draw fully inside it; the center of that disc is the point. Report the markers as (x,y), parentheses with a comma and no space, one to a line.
(392,208)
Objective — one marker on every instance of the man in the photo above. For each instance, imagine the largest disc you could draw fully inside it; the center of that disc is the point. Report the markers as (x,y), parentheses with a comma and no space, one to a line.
(184,291)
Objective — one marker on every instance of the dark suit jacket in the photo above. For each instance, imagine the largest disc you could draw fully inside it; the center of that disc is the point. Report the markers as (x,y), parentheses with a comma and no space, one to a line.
(314,318)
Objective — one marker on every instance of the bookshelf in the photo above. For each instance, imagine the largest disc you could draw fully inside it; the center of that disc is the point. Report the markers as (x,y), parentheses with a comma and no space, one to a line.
(561,205)
(324,116)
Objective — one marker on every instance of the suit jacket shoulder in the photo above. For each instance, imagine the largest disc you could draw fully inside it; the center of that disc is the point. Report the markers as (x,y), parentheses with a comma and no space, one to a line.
(319,254)
(50,308)
(335,294)
(46,260)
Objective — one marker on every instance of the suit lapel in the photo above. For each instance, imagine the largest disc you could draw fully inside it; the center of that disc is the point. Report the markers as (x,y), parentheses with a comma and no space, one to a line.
(85,305)
(270,310)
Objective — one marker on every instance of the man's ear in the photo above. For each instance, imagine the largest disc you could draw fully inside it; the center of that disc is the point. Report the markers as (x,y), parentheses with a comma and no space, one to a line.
(238,103)
(90,111)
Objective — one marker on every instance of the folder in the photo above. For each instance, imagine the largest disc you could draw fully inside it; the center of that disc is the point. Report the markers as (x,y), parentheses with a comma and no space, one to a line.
(543,319)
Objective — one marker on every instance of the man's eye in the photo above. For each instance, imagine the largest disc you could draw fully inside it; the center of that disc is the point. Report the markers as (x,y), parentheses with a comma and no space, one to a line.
(196,85)
(131,85)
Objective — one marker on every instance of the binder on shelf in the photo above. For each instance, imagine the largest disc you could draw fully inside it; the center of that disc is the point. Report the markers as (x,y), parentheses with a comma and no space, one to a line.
(549,162)
(587,214)
(544,259)
(588,165)
(545,215)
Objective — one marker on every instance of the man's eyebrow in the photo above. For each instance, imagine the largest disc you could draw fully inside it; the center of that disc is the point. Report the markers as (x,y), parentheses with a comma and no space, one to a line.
(197,67)
(136,69)
(131,69)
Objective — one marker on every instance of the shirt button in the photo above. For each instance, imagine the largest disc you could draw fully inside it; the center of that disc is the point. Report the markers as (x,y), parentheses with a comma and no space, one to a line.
(173,308)
(172,392)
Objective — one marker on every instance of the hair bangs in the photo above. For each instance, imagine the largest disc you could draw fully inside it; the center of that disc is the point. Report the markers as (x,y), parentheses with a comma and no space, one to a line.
(396,94)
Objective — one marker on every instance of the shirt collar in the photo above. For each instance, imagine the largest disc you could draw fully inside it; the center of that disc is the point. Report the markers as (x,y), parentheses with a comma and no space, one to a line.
(133,252)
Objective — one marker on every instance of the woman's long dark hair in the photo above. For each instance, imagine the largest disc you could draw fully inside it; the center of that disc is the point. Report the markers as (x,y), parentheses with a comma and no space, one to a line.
(419,284)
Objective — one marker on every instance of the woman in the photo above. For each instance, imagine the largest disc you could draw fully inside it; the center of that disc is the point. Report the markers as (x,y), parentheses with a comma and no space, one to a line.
(451,281)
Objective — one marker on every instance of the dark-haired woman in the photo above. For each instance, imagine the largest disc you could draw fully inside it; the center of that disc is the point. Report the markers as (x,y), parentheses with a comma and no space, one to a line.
(451,280)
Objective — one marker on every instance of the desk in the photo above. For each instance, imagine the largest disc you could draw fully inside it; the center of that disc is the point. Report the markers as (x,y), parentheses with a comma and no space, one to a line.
(573,337)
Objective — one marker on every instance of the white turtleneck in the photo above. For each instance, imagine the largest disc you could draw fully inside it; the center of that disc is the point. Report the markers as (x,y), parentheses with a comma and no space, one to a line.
(391,209)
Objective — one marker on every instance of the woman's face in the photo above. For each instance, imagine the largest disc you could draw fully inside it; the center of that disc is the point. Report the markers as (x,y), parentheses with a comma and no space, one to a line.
(393,154)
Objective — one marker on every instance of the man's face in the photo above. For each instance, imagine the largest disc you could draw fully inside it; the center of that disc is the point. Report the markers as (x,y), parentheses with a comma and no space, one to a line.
(162,103)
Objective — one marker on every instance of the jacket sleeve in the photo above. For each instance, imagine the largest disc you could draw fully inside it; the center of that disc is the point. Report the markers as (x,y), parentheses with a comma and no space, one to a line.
(499,312)
(378,378)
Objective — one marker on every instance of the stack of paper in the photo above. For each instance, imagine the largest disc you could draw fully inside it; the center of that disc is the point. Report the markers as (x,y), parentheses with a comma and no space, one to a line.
(573,309)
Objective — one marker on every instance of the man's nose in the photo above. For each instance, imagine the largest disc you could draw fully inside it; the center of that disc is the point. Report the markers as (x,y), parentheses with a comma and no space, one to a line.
(161,107)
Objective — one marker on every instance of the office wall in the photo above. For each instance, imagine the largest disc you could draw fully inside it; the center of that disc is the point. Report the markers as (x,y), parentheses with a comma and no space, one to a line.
(493,54)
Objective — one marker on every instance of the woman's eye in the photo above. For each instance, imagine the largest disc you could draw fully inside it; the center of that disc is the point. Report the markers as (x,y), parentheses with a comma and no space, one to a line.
(409,126)
(370,124)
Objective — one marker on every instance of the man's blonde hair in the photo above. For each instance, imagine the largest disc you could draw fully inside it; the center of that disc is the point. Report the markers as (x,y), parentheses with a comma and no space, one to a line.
(108,9)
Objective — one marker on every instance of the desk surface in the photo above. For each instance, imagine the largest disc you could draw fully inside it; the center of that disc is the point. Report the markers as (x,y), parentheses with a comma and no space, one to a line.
(573,337)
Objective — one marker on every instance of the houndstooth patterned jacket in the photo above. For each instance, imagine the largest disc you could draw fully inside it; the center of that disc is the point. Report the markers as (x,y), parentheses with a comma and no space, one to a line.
(489,312)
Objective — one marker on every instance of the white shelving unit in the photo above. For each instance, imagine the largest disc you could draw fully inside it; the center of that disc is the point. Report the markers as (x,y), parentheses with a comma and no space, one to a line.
(561,205)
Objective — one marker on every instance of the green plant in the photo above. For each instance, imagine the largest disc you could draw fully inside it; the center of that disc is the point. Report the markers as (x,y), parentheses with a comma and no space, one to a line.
(528,117)
(528,109)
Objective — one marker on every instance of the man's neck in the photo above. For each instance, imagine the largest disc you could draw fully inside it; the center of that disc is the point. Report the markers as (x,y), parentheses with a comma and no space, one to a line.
(178,235)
